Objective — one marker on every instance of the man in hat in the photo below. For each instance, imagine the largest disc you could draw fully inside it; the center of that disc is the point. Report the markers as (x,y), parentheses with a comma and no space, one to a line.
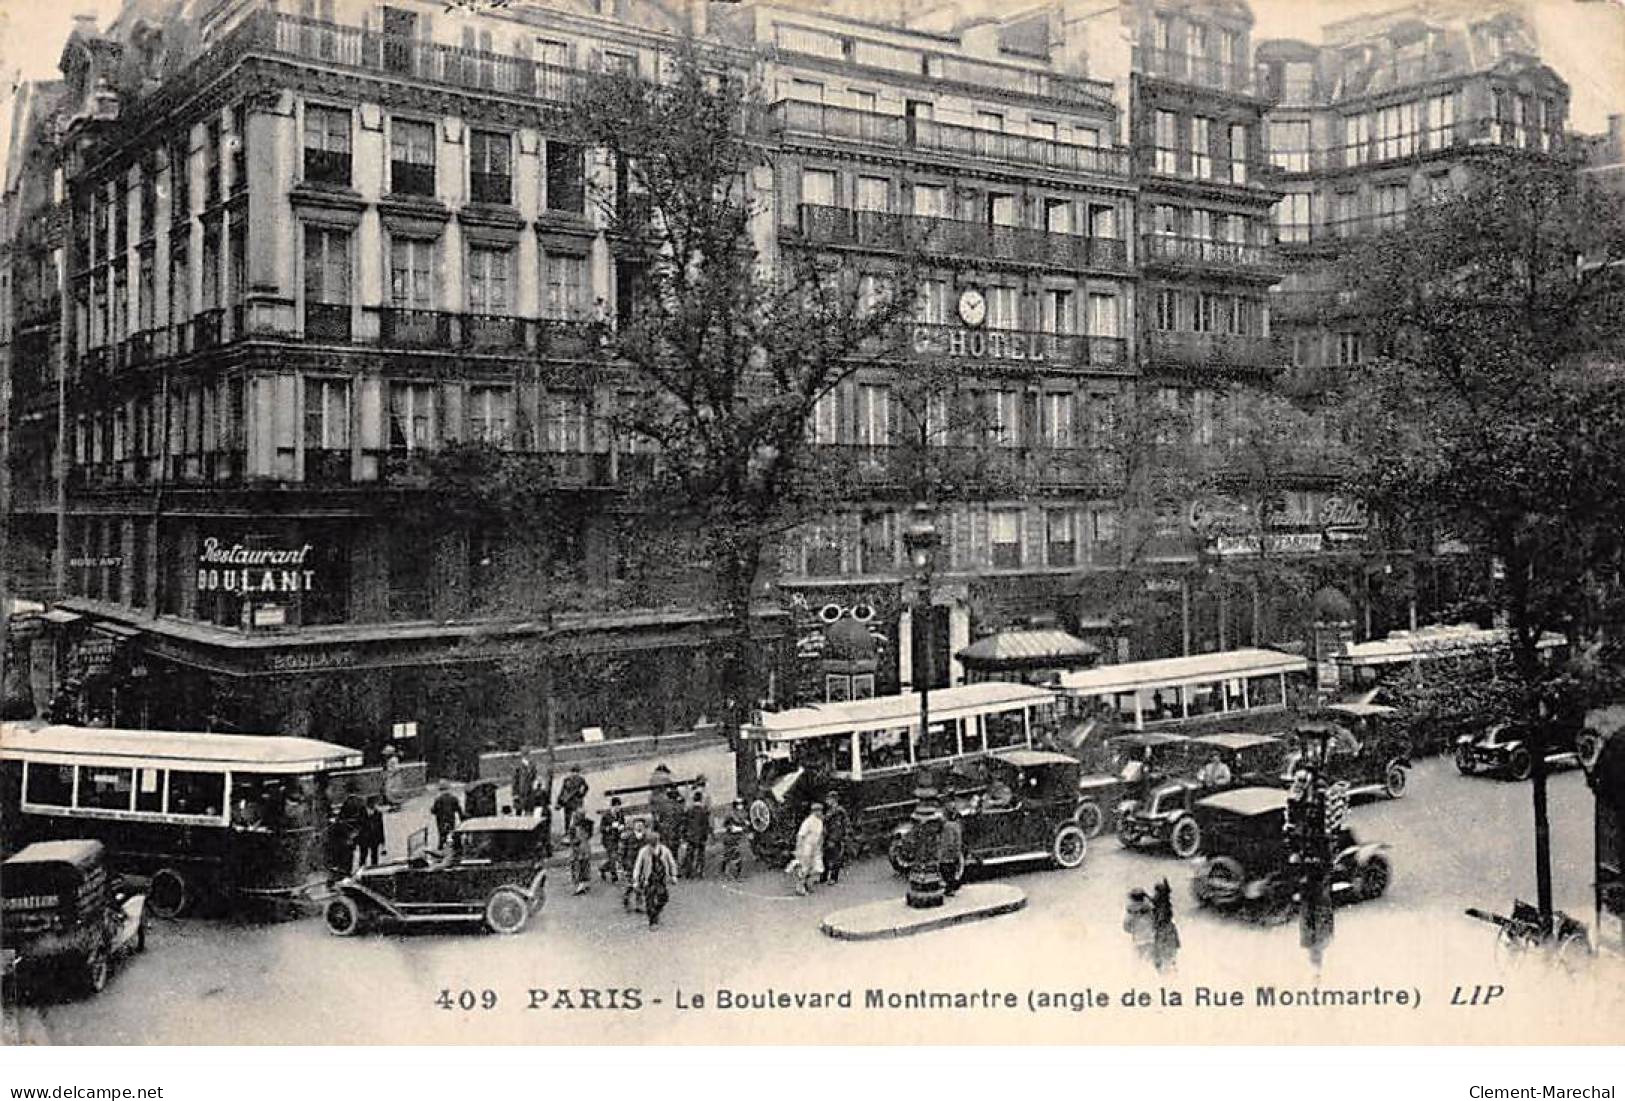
(836,827)
(524,784)
(667,812)
(951,849)
(696,835)
(652,875)
(446,811)
(734,825)
(611,825)
(809,859)
(572,794)
(631,846)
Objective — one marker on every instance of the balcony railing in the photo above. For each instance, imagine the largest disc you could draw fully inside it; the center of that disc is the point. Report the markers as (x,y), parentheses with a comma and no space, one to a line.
(1014,349)
(355,47)
(952,237)
(970,466)
(327,466)
(873,128)
(490,187)
(1310,304)
(1202,252)
(407,178)
(206,328)
(408,328)
(1214,350)
(326,166)
(1186,68)
(327,321)
(492,333)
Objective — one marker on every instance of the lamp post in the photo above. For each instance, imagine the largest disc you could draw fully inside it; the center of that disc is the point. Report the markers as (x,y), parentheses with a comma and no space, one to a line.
(1312,841)
(925,886)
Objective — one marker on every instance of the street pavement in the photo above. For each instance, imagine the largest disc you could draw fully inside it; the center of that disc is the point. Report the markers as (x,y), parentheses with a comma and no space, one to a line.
(1457,841)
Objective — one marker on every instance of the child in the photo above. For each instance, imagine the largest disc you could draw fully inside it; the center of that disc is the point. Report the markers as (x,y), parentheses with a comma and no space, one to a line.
(611,824)
(581,853)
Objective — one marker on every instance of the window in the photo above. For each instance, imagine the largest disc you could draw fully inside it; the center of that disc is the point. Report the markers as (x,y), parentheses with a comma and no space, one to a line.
(874,193)
(1042,129)
(817,187)
(149,790)
(1004,417)
(490,167)
(931,305)
(180,183)
(807,91)
(411,157)
(238,145)
(1440,188)
(1202,148)
(1441,121)
(826,416)
(1060,312)
(1103,315)
(1201,225)
(1102,221)
(145,293)
(565,295)
(1357,138)
(490,414)
(565,429)
(930,200)
(566,179)
(1167,310)
(327,414)
(1393,202)
(327,145)
(490,280)
(411,416)
(864,101)
(1349,349)
(198,794)
(1060,538)
(211,167)
(210,273)
(822,550)
(1238,153)
(990,120)
(327,282)
(411,273)
(874,415)
(1396,131)
(180,288)
(877,550)
(1004,532)
(1057,215)
(1167,143)
(1003,308)
(1292,222)
(1165,220)
(1348,214)
(1202,417)
(623,64)
(1056,410)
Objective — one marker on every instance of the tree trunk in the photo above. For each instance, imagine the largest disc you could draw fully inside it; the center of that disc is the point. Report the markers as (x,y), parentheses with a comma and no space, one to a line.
(737,559)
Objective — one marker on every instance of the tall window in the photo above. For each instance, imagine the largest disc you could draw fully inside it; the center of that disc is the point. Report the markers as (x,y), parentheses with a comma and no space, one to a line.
(1357,139)
(327,414)
(1167,143)
(566,178)
(490,280)
(327,281)
(1103,314)
(874,415)
(1060,311)
(490,414)
(565,289)
(411,416)
(877,549)
(1393,202)
(930,200)
(145,295)
(411,157)
(817,187)
(1348,214)
(1057,416)
(826,418)
(327,145)
(1060,538)
(1441,121)
(1238,153)
(1167,317)
(180,183)
(931,304)
(211,271)
(1004,417)
(1349,349)
(1292,217)
(411,273)
(1004,532)
(211,163)
(873,193)
(565,429)
(1003,308)
(1202,148)
(490,167)
(1058,215)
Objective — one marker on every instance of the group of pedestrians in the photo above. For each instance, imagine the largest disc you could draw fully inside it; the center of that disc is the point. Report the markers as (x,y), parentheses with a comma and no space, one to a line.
(356,836)
(821,845)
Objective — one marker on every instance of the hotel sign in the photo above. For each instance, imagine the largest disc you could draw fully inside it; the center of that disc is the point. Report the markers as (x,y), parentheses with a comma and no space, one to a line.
(990,345)
(248,570)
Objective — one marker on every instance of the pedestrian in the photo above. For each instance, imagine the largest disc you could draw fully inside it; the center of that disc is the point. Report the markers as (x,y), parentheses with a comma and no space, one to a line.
(572,794)
(668,815)
(392,778)
(353,817)
(703,791)
(659,781)
(581,853)
(696,835)
(809,858)
(951,850)
(372,833)
(734,825)
(631,845)
(446,811)
(652,875)
(611,825)
(542,800)
(837,825)
(1139,921)
(524,784)
(1165,934)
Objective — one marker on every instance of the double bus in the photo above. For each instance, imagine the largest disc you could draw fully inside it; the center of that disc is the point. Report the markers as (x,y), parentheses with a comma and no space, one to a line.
(209,817)
(872,755)
(1234,689)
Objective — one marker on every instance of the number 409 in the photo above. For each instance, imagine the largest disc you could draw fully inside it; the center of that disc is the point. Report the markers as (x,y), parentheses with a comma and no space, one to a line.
(467,999)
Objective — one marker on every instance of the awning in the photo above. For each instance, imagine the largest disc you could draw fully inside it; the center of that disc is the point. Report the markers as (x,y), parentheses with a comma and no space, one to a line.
(1039,649)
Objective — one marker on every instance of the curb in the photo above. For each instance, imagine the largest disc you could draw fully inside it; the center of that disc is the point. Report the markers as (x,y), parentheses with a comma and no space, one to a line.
(833,927)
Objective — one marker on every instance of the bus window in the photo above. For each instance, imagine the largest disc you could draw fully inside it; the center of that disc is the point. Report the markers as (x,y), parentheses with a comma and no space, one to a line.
(941,740)
(149,789)
(1233,698)
(1006,729)
(49,785)
(1202,699)
(822,755)
(971,727)
(305,803)
(883,748)
(1264,691)
(1163,704)
(102,788)
(1124,703)
(196,793)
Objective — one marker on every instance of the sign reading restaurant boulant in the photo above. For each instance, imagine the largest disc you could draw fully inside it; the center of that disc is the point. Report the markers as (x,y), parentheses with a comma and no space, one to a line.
(237,568)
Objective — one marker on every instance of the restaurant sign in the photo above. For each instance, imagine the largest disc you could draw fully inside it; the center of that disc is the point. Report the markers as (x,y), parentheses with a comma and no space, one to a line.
(244,569)
(1294,542)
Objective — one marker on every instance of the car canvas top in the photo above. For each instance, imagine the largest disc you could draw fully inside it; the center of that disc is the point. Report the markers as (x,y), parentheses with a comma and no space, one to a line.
(1154,737)
(1247,801)
(1234,741)
(79,852)
(1361,709)
(1032,758)
(502,824)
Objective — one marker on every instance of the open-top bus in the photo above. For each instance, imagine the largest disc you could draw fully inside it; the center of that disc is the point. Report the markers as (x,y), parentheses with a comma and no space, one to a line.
(871,754)
(1233,689)
(208,816)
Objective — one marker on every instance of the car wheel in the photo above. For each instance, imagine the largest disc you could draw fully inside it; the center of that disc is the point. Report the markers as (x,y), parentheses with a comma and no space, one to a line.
(169,894)
(1520,764)
(1185,838)
(1373,877)
(897,856)
(1394,779)
(1090,819)
(96,971)
(507,911)
(1573,952)
(343,916)
(1220,883)
(1070,846)
(1464,761)
(761,816)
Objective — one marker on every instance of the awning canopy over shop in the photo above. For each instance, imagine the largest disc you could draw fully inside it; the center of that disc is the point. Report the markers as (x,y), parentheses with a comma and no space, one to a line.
(1007,651)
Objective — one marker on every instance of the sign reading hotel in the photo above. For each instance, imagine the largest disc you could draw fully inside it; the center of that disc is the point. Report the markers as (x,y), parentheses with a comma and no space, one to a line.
(974,342)
(242,569)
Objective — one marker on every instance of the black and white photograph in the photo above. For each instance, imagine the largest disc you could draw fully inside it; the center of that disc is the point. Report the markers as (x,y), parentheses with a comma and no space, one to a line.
(813,522)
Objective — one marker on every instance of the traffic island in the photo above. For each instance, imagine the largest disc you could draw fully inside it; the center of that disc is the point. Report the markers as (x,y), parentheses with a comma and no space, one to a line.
(893,917)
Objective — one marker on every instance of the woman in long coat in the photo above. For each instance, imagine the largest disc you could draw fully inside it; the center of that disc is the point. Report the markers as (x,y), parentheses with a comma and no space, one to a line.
(809,861)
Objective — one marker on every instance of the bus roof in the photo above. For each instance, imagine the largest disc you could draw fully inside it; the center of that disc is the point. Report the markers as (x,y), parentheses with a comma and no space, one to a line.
(1194,669)
(887,711)
(257,752)
(1435,641)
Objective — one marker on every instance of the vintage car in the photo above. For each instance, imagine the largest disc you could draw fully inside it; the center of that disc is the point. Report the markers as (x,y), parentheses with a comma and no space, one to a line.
(491,873)
(1023,811)
(64,914)
(1122,771)
(1209,764)
(1246,863)
(1503,749)
(1365,749)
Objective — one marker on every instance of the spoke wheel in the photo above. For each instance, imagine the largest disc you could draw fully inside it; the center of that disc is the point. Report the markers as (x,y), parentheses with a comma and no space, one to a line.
(1464,760)
(1090,819)
(343,916)
(1186,838)
(1394,780)
(1070,846)
(897,856)
(169,894)
(508,911)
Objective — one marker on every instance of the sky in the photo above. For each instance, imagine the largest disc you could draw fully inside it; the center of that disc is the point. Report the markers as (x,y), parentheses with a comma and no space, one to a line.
(1584,40)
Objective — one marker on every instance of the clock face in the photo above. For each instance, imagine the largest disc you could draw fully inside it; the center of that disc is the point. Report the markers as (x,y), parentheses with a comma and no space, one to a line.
(972,307)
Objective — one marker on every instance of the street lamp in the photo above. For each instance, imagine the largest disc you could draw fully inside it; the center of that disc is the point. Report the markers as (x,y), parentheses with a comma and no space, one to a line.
(925,886)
